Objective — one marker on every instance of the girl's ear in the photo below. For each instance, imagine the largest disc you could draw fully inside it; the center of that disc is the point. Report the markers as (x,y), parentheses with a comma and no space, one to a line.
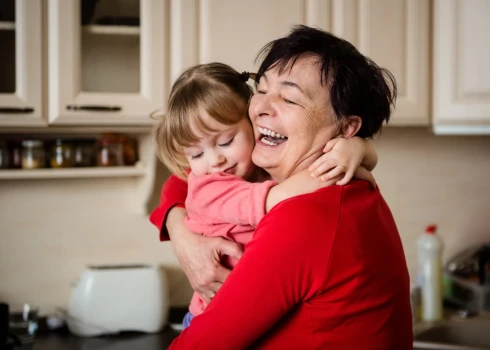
(350,126)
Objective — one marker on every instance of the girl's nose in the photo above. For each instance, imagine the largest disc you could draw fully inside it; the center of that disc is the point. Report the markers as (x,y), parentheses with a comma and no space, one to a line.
(217,160)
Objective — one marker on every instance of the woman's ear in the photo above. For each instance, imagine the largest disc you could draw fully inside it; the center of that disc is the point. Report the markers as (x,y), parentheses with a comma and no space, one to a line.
(350,126)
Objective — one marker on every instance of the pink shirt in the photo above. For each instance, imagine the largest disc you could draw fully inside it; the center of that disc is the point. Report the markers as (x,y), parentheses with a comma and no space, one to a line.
(224,205)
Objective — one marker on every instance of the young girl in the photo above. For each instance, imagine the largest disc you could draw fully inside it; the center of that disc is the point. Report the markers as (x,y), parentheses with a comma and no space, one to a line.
(206,129)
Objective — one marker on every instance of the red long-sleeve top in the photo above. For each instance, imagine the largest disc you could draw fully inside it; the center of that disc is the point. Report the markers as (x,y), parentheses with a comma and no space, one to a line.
(325,270)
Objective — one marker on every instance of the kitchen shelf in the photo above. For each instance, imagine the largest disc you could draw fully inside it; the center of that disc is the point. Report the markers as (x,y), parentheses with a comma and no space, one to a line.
(7,25)
(111,30)
(72,173)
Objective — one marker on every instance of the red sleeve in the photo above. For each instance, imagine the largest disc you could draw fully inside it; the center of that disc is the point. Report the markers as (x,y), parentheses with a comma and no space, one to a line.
(174,192)
(225,198)
(267,282)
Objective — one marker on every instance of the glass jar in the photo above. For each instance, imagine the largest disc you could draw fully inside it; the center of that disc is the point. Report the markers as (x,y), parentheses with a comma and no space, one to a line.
(84,152)
(15,149)
(4,155)
(109,152)
(62,154)
(33,155)
(130,155)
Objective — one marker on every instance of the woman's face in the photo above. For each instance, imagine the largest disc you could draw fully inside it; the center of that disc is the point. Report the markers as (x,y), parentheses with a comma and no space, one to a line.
(292,118)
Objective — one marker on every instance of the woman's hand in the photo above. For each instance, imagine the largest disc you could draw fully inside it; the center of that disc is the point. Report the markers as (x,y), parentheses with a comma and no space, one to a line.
(344,156)
(200,256)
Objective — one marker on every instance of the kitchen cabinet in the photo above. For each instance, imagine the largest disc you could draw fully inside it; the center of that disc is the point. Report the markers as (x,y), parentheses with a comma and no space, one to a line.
(21,101)
(461,93)
(394,34)
(112,68)
(233,31)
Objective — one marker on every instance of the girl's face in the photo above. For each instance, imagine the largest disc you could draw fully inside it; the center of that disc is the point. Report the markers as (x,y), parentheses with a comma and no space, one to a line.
(228,149)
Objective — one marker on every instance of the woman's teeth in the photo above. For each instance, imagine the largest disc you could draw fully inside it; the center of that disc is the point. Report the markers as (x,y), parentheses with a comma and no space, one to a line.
(271,137)
(268,132)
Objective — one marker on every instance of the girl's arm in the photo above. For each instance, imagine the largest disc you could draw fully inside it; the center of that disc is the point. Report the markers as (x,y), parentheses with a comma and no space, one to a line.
(344,156)
(225,198)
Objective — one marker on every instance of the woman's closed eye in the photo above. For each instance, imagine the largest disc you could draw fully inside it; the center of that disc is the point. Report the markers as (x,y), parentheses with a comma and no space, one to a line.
(289,101)
(227,143)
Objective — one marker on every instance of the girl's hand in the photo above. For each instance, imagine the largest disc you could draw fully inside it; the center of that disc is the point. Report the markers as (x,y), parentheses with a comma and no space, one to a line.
(343,157)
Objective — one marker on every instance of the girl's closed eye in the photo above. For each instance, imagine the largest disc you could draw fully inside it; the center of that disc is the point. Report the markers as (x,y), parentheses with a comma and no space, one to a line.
(227,143)
(196,156)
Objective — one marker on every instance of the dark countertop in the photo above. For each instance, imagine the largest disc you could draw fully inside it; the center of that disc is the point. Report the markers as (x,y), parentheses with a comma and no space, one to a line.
(123,341)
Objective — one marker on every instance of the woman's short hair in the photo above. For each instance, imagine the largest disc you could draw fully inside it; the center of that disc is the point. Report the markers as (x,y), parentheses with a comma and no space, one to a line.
(213,88)
(357,86)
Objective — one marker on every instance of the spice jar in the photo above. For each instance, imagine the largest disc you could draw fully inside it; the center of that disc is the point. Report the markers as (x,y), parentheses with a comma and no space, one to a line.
(4,155)
(33,156)
(110,152)
(15,150)
(130,155)
(62,154)
(84,152)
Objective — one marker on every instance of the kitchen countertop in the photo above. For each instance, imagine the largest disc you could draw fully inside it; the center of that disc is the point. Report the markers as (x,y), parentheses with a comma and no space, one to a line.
(123,341)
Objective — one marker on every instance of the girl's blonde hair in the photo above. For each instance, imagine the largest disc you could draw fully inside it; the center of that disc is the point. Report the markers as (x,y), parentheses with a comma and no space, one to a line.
(214,88)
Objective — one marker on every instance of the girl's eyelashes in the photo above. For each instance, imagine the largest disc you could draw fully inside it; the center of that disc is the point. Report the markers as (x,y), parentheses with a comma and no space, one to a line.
(262,92)
(196,156)
(227,143)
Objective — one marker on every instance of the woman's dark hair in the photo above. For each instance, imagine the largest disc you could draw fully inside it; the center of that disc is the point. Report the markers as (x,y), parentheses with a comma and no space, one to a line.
(357,86)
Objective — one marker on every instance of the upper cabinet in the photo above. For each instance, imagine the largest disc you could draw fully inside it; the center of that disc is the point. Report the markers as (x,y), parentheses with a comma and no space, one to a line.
(233,32)
(394,34)
(461,98)
(106,63)
(21,63)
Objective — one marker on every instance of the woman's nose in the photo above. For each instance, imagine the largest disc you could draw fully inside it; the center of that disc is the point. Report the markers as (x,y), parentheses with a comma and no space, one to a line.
(263,106)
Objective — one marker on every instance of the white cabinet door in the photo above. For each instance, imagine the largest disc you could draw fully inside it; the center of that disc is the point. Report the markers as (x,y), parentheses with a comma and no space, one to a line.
(395,35)
(461,87)
(112,69)
(233,31)
(21,63)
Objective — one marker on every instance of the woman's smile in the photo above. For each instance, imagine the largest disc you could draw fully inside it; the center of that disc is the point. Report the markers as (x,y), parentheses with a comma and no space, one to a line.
(270,137)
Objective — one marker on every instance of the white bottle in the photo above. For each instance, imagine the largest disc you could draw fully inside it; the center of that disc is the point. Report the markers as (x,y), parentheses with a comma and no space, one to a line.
(430,274)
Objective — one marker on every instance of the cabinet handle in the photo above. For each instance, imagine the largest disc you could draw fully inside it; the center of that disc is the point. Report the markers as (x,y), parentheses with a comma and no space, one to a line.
(16,110)
(94,108)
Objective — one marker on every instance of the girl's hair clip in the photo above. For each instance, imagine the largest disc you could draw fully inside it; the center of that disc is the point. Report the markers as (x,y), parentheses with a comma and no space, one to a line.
(247,75)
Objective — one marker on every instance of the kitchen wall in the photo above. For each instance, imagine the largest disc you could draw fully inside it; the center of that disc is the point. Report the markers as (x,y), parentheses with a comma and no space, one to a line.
(49,230)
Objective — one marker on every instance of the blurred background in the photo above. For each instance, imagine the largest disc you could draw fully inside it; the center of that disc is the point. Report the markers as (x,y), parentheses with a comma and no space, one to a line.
(80,78)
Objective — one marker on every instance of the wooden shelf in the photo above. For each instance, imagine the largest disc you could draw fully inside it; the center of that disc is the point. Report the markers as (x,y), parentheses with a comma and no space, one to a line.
(7,25)
(111,30)
(71,173)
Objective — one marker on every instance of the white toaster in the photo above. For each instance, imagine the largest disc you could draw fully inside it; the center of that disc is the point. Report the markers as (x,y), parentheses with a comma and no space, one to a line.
(114,298)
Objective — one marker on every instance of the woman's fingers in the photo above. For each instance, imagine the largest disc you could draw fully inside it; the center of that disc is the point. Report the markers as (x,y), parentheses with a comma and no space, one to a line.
(210,293)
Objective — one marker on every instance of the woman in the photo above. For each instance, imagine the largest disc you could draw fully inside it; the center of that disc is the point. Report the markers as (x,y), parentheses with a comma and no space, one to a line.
(326,269)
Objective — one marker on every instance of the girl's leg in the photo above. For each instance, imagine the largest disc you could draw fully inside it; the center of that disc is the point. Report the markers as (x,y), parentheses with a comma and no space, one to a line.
(187,320)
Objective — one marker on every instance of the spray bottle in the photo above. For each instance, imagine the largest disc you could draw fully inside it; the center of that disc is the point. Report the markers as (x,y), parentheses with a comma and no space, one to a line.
(429,249)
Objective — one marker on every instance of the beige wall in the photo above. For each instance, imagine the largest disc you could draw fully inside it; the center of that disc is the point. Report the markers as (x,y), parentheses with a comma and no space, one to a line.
(49,230)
